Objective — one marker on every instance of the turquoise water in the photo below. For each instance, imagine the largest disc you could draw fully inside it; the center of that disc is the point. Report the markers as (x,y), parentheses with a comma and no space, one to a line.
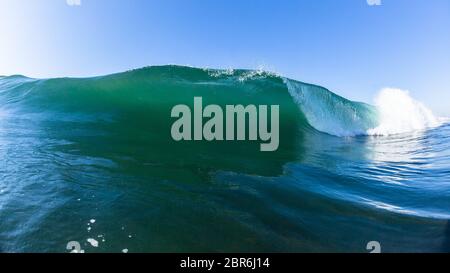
(76,150)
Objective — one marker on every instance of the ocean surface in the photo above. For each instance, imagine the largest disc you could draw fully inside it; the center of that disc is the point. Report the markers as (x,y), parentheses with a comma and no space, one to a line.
(92,160)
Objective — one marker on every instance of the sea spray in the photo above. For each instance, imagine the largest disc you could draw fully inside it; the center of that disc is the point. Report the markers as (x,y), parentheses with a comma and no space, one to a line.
(400,113)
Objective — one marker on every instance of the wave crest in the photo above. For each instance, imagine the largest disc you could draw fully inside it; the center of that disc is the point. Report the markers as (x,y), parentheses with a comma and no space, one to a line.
(151,88)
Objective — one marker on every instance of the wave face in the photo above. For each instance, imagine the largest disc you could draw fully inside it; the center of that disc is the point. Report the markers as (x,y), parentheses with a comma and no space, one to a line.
(100,148)
(330,113)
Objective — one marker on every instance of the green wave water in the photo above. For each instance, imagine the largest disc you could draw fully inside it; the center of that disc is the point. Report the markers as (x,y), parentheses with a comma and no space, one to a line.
(100,148)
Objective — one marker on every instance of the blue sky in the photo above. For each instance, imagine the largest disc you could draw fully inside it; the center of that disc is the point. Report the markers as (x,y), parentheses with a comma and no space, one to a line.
(348,46)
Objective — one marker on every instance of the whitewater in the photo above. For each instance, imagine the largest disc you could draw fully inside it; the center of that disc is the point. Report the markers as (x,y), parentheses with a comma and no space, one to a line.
(346,173)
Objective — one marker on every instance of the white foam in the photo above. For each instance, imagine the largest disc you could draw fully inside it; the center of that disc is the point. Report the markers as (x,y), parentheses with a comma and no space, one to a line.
(93,242)
(400,113)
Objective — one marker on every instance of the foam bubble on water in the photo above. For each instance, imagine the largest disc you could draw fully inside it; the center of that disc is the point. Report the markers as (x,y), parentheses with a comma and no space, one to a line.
(93,242)
(400,113)
(92,221)
(125,250)
(102,237)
